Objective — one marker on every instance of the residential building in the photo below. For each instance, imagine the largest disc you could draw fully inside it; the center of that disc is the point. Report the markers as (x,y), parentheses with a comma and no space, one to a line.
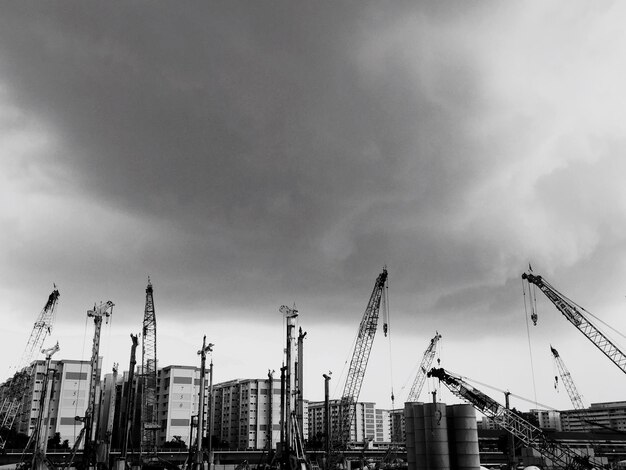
(68,398)
(610,415)
(178,392)
(382,426)
(547,419)
(247,414)
(362,428)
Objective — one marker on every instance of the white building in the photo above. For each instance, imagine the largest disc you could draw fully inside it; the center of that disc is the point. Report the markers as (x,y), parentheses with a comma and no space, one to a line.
(68,398)
(362,428)
(247,414)
(548,419)
(178,391)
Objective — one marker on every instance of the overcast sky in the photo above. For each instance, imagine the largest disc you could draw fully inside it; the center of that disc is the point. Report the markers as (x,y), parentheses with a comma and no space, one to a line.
(246,155)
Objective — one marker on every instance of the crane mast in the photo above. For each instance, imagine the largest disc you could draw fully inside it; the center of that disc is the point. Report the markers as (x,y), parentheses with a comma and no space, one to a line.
(560,455)
(574,314)
(427,361)
(99,312)
(360,357)
(149,375)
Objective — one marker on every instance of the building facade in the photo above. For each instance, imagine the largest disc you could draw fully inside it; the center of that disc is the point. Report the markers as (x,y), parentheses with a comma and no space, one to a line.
(362,428)
(178,392)
(68,398)
(247,414)
(610,415)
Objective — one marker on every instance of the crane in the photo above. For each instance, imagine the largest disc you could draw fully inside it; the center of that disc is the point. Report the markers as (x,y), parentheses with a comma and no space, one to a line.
(427,361)
(12,400)
(99,312)
(560,455)
(586,420)
(149,376)
(566,377)
(574,314)
(358,363)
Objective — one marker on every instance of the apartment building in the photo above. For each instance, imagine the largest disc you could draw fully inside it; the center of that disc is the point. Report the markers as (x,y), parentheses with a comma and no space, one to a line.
(178,392)
(362,428)
(608,415)
(547,419)
(68,398)
(247,413)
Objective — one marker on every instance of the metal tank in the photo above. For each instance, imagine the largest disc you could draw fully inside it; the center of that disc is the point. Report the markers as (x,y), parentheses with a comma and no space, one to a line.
(436,436)
(463,437)
(410,435)
(420,436)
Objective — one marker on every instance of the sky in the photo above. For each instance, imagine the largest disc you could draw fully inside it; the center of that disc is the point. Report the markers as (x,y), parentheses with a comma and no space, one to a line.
(248,155)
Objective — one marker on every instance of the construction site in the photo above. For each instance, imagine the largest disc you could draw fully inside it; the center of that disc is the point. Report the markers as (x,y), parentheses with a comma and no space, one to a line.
(176,417)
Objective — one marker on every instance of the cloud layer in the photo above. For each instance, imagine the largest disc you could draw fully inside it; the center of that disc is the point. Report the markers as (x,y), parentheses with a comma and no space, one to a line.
(247,155)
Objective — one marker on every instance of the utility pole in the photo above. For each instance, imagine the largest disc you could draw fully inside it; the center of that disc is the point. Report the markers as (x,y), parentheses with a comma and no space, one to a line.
(199,433)
(121,461)
(327,418)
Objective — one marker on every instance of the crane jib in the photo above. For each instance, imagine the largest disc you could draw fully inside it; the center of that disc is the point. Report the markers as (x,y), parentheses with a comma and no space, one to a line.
(575,316)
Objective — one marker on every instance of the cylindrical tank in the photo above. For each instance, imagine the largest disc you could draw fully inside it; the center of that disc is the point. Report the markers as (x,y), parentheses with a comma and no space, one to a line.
(464,437)
(420,440)
(410,435)
(436,436)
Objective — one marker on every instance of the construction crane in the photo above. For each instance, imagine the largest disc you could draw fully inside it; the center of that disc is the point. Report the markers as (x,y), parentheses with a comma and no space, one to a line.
(427,360)
(99,312)
(149,379)
(567,380)
(574,314)
(560,455)
(12,397)
(358,363)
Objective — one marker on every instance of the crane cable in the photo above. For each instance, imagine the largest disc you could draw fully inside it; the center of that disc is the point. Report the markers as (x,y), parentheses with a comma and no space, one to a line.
(387,320)
(530,350)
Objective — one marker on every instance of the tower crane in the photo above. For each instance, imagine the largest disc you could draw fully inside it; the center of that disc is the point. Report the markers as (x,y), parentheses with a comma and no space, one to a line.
(574,314)
(560,455)
(427,361)
(12,398)
(358,363)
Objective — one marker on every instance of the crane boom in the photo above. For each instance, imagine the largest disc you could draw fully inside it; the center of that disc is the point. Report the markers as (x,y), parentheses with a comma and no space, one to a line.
(427,361)
(566,377)
(572,391)
(360,356)
(12,398)
(574,314)
(532,436)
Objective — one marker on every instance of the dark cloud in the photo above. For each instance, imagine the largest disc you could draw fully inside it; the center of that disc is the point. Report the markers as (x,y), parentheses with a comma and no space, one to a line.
(247,154)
